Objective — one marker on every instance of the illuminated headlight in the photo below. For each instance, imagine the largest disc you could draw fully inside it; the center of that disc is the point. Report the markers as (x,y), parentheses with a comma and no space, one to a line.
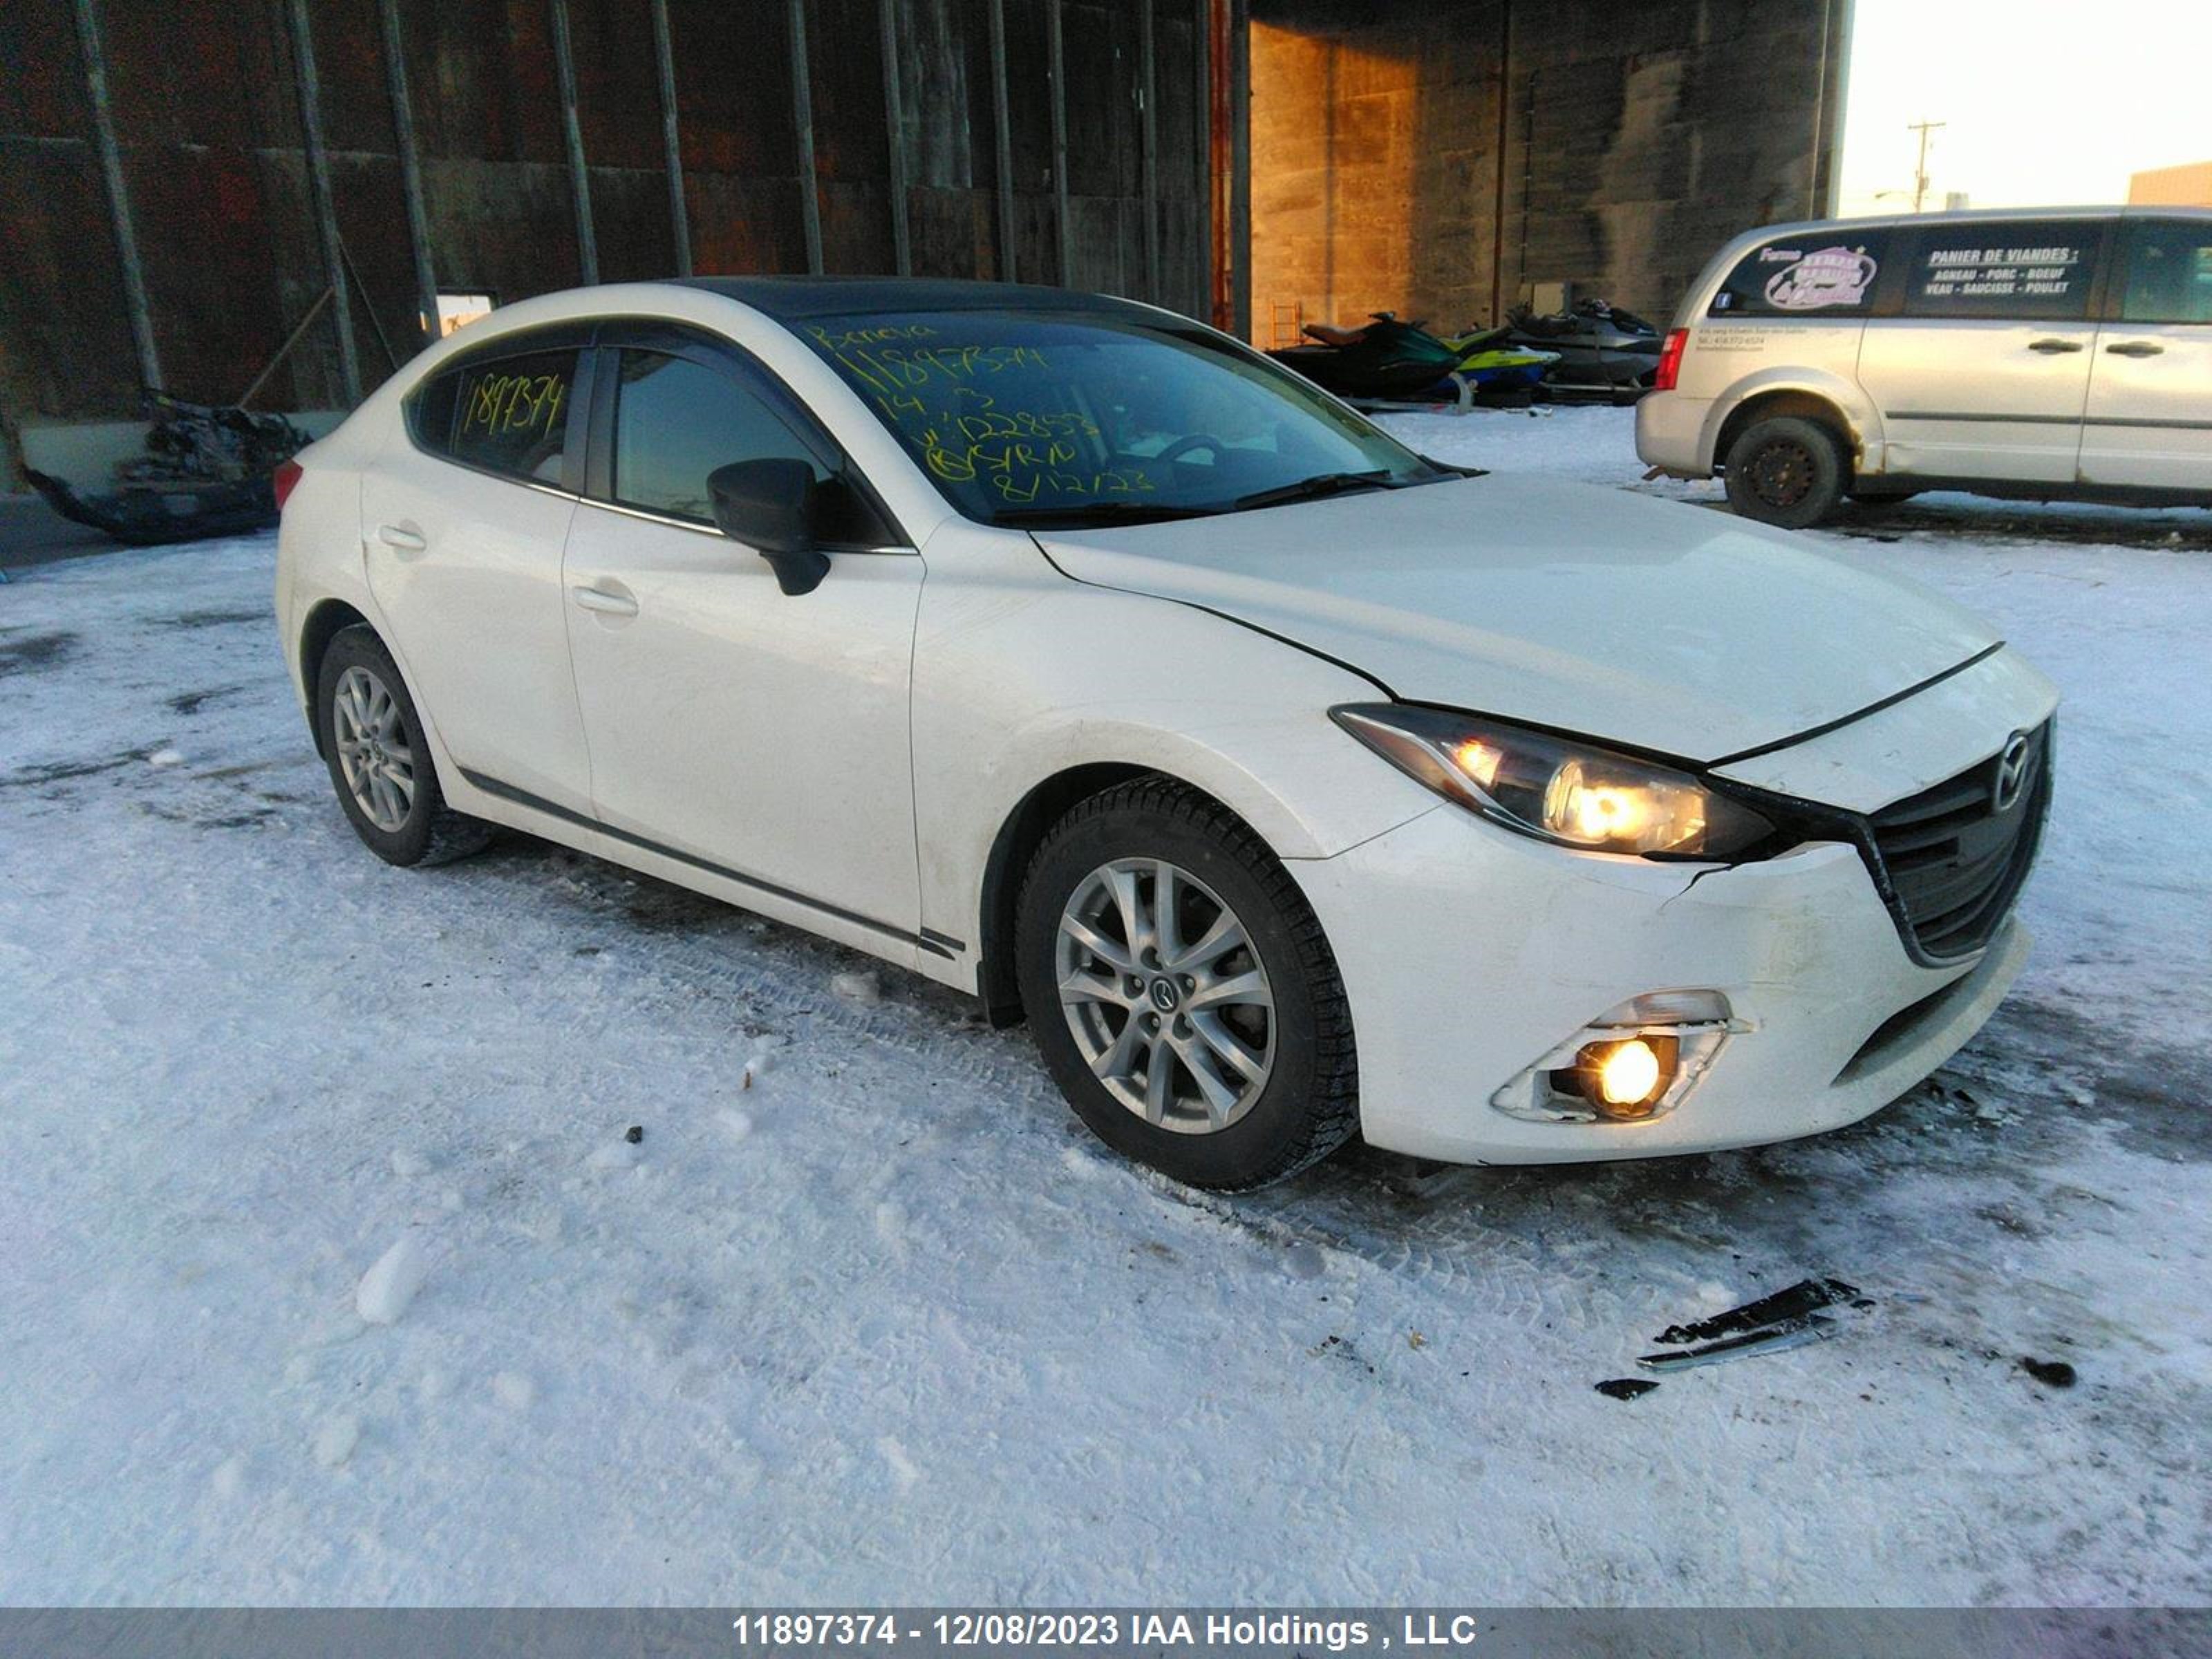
(1557,789)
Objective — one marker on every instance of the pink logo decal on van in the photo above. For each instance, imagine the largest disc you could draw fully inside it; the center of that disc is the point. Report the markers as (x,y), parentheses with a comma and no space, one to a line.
(1829,276)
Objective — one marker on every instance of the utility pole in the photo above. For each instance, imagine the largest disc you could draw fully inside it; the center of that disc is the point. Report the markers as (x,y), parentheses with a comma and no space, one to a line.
(1920,170)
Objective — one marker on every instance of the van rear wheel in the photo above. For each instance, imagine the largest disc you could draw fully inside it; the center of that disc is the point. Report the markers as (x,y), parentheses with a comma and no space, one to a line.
(1785,471)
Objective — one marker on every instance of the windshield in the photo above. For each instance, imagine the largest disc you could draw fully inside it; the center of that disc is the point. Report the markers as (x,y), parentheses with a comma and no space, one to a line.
(1040,419)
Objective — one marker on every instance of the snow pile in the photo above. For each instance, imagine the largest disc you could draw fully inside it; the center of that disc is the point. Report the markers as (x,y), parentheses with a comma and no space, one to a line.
(387,1288)
(336,1440)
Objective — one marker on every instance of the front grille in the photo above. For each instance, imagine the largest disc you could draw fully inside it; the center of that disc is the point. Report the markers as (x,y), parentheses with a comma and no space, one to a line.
(1954,859)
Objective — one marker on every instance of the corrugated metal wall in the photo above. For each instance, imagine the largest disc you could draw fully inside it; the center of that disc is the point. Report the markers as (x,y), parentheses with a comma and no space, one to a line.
(898,103)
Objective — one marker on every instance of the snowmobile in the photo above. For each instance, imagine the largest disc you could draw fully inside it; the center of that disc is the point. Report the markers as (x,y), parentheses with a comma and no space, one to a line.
(1386,361)
(207,471)
(1602,348)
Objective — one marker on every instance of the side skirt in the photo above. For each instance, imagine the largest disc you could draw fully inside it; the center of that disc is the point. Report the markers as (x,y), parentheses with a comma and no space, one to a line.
(936,955)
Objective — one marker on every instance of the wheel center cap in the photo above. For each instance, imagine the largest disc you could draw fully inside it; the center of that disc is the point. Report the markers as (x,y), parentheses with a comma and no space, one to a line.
(1165,995)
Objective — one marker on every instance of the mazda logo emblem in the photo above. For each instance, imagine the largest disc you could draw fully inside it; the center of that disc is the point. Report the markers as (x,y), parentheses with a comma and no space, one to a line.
(1165,995)
(2014,768)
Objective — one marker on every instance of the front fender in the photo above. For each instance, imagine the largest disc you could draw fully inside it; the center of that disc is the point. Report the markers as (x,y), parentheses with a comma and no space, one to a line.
(1022,674)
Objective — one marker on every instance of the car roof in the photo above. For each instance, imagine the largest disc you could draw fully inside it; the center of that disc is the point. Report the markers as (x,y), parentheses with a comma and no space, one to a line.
(1984,215)
(790,299)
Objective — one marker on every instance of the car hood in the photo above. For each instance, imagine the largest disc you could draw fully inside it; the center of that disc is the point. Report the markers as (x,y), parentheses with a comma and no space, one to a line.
(1654,624)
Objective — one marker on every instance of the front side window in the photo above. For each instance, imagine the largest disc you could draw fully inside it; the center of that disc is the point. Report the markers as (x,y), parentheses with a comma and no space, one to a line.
(2024,269)
(1827,272)
(1032,418)
(2169,273)
(677,420)
(505,415)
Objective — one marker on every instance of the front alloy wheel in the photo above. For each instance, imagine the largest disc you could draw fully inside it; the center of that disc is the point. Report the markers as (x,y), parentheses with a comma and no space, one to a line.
(1181,991)
(1164,997)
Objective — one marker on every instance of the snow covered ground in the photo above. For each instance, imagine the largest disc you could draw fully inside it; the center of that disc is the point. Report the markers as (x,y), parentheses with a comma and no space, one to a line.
(329,1272)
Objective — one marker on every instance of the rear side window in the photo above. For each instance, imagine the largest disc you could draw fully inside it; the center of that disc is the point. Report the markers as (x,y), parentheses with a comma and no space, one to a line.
(1823,273)
(2024,269)
(2168,274)
(505,415)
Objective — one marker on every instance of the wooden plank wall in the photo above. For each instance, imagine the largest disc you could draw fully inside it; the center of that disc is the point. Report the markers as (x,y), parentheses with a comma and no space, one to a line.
(205,105)
(1442,161)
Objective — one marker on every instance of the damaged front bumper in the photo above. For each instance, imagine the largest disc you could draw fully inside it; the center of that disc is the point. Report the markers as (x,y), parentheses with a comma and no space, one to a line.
(1472,958)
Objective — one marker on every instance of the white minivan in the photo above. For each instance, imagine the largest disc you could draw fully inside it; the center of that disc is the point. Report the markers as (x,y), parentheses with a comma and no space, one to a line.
(2062,354)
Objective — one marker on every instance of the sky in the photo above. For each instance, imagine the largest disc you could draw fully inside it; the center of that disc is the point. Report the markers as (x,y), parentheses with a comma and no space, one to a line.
(2047,102)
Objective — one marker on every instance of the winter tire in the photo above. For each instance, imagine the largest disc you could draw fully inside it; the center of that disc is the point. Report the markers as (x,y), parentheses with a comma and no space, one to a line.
(380,763)
(1785,471)
(1181,991)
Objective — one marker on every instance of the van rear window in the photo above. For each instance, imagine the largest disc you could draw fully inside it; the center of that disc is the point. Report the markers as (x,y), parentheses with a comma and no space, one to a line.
(1822,273)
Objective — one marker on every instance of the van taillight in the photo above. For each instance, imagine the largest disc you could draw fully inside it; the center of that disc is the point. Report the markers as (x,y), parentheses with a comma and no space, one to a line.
(288,474)
(1670,361)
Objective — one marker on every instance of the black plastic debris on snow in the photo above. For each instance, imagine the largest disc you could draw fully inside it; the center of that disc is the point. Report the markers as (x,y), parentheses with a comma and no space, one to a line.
(1784,1333)
(1625,1388)
(635,1134)
(1788,1318)
(1807,1296)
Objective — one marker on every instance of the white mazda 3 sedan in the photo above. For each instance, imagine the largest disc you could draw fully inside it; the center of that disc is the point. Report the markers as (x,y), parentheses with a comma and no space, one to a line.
(1071,653)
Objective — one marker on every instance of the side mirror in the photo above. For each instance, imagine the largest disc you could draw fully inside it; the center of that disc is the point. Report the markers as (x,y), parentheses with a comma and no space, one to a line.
(770,507)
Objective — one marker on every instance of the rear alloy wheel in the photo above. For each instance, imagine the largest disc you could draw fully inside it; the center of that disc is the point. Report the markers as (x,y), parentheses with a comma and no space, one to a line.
(378,763)
(1182,992)
(1786,471)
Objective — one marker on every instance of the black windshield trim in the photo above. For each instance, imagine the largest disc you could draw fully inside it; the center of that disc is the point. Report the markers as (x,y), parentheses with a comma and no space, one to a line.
(1084,516)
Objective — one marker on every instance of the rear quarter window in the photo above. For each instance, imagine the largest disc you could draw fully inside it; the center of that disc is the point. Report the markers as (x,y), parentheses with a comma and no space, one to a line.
(2025,269)
(1826,272)
(2167,273)
(505,415)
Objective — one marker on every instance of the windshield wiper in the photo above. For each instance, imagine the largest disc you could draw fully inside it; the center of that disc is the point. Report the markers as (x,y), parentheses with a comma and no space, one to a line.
(1092,512)
(1313,489)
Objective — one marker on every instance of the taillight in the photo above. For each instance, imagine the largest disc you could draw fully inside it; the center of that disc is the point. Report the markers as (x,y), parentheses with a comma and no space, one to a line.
(1670,361)
(288,474)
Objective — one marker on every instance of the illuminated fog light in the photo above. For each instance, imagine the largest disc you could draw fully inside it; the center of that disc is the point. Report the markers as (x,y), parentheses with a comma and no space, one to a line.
(1625,1079)
(1637,1062)
(1628,1074)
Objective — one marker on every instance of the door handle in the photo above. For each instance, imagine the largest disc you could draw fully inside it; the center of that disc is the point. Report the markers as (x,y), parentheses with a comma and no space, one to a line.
(606,604)
(2050,347)
(2135,349)
(405,538)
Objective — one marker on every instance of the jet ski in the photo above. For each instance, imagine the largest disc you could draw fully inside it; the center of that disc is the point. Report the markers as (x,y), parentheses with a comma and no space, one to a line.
(1387,361)
(1494,365)
(1600,347)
